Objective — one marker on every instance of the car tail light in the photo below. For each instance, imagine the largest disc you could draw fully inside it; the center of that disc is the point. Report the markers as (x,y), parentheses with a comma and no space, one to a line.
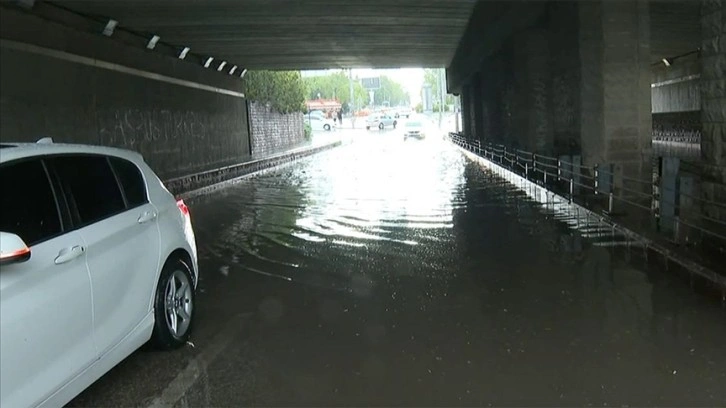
(182,207)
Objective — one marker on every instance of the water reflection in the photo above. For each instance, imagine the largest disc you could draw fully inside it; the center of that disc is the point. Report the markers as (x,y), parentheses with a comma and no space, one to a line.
(406,269)
(408,186)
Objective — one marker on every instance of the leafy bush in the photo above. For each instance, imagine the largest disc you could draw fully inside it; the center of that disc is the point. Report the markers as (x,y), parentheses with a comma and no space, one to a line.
(283,90)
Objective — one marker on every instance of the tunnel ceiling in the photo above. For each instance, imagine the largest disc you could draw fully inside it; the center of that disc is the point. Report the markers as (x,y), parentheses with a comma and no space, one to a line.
(298,34)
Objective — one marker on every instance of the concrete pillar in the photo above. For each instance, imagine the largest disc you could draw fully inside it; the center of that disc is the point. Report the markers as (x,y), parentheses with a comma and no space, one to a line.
(565,79)
(713,105)
(532,88)
(477,108)
(492,79)
(615,122)
(466,110)
(485,133)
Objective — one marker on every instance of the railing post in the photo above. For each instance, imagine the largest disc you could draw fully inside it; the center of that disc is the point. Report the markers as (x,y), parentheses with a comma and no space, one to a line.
(504,154)
(572,189)
(610,202)
(677,229)
(534,164)
(526,170)
(596,178)
(559,170)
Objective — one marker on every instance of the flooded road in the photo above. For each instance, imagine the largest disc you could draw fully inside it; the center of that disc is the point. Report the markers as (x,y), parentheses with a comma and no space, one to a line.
(399,273)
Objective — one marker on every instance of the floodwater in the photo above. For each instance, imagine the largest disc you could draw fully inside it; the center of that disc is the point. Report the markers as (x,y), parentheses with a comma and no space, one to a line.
(400,273)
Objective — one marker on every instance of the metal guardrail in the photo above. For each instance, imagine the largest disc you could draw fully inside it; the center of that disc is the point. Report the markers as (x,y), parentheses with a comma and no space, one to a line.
(554,172)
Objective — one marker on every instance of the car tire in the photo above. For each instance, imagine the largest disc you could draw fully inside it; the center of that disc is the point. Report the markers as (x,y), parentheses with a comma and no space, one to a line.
(380,126)
(368,128)
(174,298)
(395,124)
(326,128)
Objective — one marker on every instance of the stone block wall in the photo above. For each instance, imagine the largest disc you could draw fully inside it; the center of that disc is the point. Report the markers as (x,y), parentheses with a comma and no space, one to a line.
(273,132)
(713,105)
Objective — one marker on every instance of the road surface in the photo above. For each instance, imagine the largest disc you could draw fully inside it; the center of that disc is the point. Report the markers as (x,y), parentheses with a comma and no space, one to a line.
(399,273)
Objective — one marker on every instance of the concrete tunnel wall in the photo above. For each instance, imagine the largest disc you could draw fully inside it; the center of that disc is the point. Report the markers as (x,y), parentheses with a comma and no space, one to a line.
(560,78)
(181,128)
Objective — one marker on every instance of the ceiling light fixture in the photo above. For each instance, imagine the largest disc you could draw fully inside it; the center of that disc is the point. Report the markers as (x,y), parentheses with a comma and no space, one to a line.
(110,26)
(152,42)
(183,53)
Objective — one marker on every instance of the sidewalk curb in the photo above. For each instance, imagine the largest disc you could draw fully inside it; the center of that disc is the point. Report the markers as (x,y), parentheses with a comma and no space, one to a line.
(689,265)
(201,183)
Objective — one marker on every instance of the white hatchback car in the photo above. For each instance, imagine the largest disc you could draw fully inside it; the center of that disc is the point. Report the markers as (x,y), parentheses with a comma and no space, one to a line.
(318,123)
(96,259)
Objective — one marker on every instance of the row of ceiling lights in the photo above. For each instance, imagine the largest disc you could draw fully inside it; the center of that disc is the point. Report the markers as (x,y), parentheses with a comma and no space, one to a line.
(111,26)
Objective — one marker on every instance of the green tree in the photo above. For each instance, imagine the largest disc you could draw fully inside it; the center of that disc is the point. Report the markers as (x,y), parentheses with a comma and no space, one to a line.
(335,86)
(433,78)
(283,90)
(391,92)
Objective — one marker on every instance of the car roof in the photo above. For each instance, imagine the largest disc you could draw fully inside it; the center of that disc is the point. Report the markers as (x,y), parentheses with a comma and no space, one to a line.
(14,151)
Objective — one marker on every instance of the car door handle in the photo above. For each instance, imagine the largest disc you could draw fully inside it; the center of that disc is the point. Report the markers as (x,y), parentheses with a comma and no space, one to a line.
(69,254)
(146,216)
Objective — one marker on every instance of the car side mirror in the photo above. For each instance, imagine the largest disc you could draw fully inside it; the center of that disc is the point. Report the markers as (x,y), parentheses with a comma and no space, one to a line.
(12,249)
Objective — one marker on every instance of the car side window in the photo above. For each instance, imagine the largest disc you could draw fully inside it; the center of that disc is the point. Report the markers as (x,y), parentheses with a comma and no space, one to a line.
(90,187)
(132,182)
(29,210)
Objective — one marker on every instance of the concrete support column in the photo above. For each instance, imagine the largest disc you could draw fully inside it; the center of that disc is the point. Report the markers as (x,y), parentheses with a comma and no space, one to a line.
(565,80)
(477,108)
(466,110)
(492,100)
(713,105)
(615,89)
(485,135)
(532,89)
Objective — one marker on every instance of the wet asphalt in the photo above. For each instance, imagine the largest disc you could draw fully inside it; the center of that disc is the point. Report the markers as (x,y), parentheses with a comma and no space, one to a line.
(392,273)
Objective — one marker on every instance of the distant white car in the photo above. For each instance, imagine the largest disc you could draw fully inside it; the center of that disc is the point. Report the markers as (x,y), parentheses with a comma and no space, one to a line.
(404,113)
(380,121)
(414,128)
(318,123)
(97,258)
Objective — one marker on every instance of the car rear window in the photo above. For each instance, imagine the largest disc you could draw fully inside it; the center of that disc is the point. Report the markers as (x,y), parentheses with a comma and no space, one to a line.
(132,182)
(90,187)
